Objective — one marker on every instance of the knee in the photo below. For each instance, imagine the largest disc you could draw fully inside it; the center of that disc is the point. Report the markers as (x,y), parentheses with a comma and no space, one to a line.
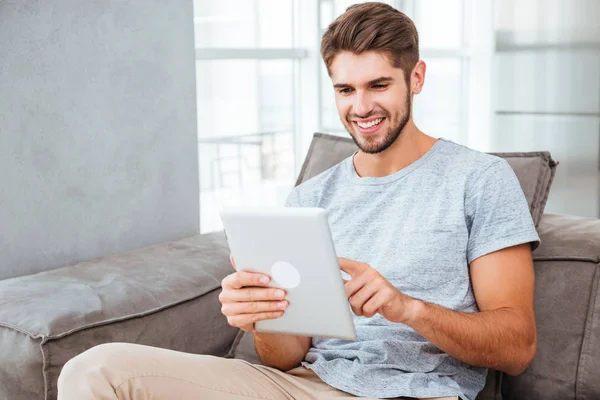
(91,362)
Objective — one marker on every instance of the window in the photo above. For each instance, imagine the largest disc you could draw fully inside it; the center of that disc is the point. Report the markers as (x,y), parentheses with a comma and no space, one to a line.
(263,89)
(246,73)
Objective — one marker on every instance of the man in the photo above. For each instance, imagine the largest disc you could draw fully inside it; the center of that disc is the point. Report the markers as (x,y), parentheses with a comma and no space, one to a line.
(436,238)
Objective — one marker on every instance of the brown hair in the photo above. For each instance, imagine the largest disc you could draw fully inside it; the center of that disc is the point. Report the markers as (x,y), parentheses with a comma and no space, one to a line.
(373,27)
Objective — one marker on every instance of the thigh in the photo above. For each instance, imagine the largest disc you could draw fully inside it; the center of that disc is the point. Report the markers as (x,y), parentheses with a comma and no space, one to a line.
(305,377)
(143,372)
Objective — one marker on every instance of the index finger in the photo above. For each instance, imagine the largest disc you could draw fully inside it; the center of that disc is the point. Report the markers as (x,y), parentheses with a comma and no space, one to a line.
(350,266)
(243,279)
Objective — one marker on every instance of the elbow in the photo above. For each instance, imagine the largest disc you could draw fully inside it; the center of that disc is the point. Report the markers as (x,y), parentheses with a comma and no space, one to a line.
(281,365)
(519,364)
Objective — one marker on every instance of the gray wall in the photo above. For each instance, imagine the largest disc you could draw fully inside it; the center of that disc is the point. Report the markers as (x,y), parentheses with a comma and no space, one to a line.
(98,147)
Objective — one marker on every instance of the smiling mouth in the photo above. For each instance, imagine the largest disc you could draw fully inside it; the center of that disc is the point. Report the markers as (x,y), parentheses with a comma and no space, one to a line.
(369,124)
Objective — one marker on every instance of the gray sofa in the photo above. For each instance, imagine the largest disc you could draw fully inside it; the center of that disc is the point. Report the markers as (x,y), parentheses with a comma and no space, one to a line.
(166,296)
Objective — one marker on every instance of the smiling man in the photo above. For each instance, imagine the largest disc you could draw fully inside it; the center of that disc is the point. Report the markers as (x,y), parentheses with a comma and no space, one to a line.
(436,239)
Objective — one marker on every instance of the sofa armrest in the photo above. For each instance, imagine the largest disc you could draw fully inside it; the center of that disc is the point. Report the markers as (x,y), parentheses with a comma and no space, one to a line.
(164,296)
(567,308)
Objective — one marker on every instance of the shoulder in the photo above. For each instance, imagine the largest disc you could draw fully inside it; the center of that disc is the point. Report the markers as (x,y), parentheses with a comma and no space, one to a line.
(310,192)
(474,165)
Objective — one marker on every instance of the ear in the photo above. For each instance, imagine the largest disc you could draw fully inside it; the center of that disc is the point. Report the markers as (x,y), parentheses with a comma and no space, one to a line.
(417,77)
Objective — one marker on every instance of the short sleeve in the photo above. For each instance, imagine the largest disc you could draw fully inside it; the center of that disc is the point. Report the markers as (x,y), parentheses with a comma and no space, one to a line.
(497,213)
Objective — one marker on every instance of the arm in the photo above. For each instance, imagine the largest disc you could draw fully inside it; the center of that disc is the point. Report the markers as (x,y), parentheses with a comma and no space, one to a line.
(501,336)
(283,352)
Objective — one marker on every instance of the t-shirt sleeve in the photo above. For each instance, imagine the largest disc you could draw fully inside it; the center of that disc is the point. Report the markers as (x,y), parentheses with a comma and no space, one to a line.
(497,212)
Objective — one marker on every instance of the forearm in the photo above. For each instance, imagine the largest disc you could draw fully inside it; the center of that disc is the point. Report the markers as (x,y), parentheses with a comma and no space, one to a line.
(280,351)
(501,339)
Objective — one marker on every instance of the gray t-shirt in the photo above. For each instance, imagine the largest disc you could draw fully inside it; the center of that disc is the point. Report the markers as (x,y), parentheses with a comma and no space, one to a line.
(420,228)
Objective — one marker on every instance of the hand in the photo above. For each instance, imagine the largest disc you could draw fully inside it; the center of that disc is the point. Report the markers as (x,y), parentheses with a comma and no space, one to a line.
(369,293)
(245,299)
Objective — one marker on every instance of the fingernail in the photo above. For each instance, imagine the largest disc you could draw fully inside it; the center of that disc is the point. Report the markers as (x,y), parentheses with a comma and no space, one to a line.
(282,304)
(264,279)
(280,294)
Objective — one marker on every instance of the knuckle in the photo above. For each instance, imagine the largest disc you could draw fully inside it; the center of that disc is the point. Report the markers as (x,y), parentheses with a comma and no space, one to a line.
(224,281)
(225,309)
(253,307)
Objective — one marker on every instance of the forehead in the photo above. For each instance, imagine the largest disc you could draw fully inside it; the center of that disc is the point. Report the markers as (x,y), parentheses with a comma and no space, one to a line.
(356,69)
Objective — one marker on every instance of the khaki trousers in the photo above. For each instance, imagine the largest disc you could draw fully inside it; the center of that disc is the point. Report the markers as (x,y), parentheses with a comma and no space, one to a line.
(130,371)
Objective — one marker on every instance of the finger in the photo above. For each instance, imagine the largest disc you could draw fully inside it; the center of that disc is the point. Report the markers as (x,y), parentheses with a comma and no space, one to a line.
(354,285)
(242,279)
(249,319)
(251,294)
(232,309)
(351,267)
(363,296)
(232,261)
(374,304)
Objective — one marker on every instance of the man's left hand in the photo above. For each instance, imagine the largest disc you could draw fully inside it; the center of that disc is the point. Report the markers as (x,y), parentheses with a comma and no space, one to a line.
(369,293)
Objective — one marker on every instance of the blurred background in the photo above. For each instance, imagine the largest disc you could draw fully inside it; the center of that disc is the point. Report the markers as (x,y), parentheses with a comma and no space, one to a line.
(502,76)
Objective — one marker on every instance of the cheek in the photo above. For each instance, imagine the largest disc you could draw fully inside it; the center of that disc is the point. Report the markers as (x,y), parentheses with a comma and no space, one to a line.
(344,106)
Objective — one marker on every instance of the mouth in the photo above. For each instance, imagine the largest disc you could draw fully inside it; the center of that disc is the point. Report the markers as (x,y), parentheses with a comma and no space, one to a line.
(370,126)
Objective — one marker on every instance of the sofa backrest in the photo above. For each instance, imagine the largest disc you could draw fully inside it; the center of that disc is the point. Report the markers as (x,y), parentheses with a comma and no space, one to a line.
(534,170)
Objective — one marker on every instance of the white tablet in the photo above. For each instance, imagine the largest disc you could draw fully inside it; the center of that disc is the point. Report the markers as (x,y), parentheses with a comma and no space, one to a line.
(294,247)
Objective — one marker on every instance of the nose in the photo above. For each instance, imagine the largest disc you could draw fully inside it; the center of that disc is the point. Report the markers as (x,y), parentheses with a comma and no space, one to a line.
(363,104)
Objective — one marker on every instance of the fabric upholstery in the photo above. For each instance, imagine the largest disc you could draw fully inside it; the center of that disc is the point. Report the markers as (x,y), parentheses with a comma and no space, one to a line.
(164,295)
(567,306)
(534,170)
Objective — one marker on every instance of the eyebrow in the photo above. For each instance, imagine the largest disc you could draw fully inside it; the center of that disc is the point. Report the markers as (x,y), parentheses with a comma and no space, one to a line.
(382,79)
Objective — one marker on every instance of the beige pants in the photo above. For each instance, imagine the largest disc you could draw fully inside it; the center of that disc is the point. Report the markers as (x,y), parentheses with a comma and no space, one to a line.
(129,371)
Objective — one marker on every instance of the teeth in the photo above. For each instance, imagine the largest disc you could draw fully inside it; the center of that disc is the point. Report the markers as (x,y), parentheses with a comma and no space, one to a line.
(366,125)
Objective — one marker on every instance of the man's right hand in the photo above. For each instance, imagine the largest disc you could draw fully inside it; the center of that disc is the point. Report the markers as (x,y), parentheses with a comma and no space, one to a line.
(246,299)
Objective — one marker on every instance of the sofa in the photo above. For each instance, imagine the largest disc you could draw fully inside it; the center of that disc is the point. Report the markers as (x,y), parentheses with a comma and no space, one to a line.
(167,296)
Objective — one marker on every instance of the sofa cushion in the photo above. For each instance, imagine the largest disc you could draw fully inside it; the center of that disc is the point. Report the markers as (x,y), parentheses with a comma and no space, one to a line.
(164,295)
(534,170)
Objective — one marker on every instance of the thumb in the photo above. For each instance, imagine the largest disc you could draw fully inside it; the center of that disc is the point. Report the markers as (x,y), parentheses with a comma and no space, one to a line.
(232,261)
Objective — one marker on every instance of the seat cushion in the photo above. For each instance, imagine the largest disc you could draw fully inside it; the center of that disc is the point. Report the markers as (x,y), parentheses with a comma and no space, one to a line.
(534,170)
(164,295)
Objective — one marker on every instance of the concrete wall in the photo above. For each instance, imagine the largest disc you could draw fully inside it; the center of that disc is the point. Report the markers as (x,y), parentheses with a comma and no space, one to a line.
(98,148)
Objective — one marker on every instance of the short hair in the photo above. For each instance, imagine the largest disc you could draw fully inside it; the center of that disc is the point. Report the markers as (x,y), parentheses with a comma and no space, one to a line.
(373,26)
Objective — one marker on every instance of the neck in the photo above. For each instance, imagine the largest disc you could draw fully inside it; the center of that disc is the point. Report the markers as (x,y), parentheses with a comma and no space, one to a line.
(408,148)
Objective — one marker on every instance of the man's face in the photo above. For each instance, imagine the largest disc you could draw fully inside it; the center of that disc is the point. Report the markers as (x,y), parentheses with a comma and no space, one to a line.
(372,99)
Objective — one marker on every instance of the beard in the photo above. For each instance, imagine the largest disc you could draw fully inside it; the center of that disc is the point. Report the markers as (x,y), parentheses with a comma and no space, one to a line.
(371,145)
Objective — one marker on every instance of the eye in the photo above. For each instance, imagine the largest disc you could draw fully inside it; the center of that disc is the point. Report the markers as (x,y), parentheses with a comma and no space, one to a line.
(380,86)
(345,90)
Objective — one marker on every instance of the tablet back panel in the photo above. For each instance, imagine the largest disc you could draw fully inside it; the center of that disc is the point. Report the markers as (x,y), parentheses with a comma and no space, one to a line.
(277,241)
